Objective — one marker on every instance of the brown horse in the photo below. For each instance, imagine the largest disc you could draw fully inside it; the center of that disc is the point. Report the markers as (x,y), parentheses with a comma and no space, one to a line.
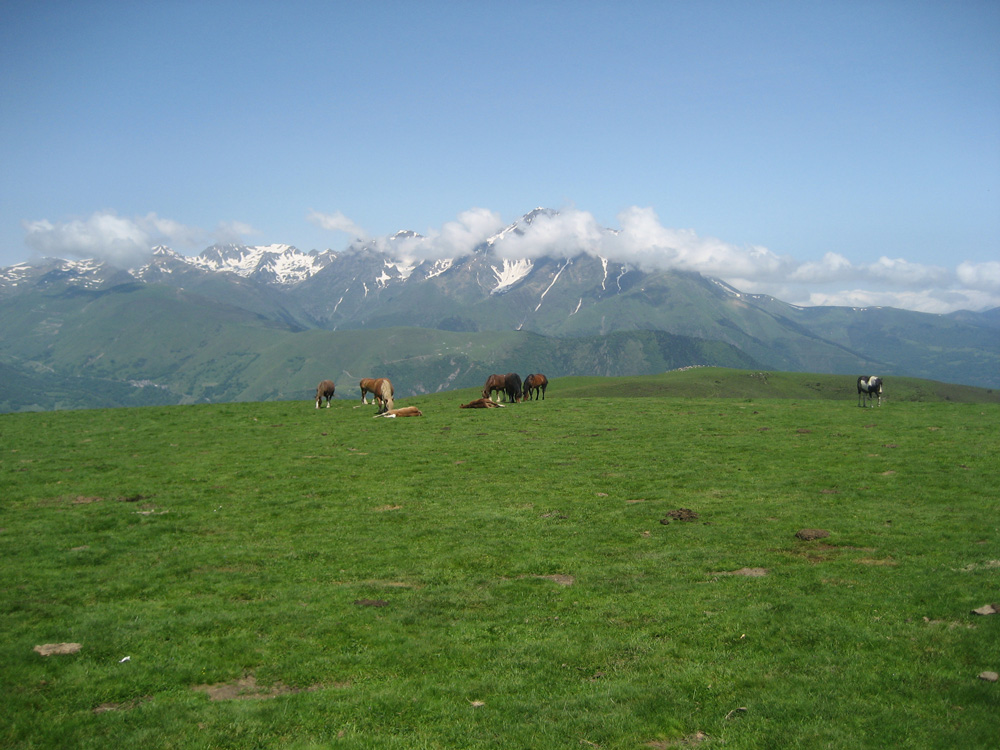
(482,403)
(383,395)
(368,385)
(494,383)
(324,390)
(535,383)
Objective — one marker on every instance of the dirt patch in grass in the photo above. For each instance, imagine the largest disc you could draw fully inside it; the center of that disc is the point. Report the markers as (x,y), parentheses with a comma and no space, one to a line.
(246,688)
(680,514)
(55,649)
(84,500)
(127,705)
(691,740)
(808,535)
(951,625)
(749,572)
(562,580)
(888,561)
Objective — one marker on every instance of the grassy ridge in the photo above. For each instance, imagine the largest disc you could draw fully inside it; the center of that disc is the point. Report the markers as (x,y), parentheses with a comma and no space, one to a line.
(485,578)
(717,382)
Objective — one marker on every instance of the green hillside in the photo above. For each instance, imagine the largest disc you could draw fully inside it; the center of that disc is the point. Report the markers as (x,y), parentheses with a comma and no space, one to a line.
(150,344)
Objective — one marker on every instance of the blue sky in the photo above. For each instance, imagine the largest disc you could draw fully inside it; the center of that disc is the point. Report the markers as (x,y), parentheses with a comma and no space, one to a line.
(825,152)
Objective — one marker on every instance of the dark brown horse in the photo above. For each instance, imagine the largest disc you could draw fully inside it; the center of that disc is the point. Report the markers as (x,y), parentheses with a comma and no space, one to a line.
(512,387)
(535,383)
(372,386)
(494,383)
(324,390)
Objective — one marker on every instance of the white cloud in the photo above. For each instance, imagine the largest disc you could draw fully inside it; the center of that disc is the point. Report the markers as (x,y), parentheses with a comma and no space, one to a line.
(106,236)
(899,272)
(459,237)
(337,222)
(938,300)
(641,241)
(980,276)
(233,232)
(644,242)
(566,232)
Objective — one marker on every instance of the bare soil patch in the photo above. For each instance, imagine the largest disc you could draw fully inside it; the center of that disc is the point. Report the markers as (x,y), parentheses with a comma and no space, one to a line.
(888,561)
(246,688)
(105,707)
(562,580)
(680,514)
(50,649)
(749,572)
(808,535)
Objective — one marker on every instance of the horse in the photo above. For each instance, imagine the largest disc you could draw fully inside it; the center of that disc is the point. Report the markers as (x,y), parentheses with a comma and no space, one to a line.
(324,390)
(512,387)
(383,394)
(406,411)
(870,385)
(494,383)
(369,385)
(537,383)
(482,403)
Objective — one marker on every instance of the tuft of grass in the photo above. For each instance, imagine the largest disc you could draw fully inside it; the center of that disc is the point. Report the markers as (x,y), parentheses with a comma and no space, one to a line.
(503,577)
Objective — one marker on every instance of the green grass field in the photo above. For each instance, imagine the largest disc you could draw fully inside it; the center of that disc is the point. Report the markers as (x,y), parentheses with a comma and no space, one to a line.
(265,575)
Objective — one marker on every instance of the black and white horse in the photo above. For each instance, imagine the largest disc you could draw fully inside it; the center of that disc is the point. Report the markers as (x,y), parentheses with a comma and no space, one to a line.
(870,385)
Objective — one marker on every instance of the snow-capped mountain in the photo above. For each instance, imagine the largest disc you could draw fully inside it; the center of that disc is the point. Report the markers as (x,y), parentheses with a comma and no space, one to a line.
(566,292)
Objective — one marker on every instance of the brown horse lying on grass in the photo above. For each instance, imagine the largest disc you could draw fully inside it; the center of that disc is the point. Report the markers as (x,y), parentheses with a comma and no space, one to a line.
(482,403)
(324,390)
(405,411)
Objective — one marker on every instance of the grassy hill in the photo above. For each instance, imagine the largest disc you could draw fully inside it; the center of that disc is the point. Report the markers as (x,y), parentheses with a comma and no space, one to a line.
(587,571)
(716,382)
(148,344)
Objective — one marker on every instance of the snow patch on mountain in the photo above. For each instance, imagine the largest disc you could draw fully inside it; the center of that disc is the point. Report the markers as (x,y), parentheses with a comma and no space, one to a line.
(554,280)
(284,263)
(438,267)
(511,272)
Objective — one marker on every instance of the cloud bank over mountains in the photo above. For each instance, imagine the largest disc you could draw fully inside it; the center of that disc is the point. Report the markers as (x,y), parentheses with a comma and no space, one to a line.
(640,240)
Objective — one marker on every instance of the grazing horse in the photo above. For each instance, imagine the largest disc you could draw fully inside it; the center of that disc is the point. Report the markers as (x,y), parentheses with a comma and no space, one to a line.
(324,390)
(512,387)
(494,383)
(369,385)
(383,394)
(871,385)
(537,383)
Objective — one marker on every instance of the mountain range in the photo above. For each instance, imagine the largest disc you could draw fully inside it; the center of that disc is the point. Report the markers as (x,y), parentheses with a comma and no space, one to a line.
(243,322)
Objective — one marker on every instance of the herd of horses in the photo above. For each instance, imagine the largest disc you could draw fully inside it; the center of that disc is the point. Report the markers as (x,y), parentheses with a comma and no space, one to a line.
(380,388)
(514,390)
(509,386)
